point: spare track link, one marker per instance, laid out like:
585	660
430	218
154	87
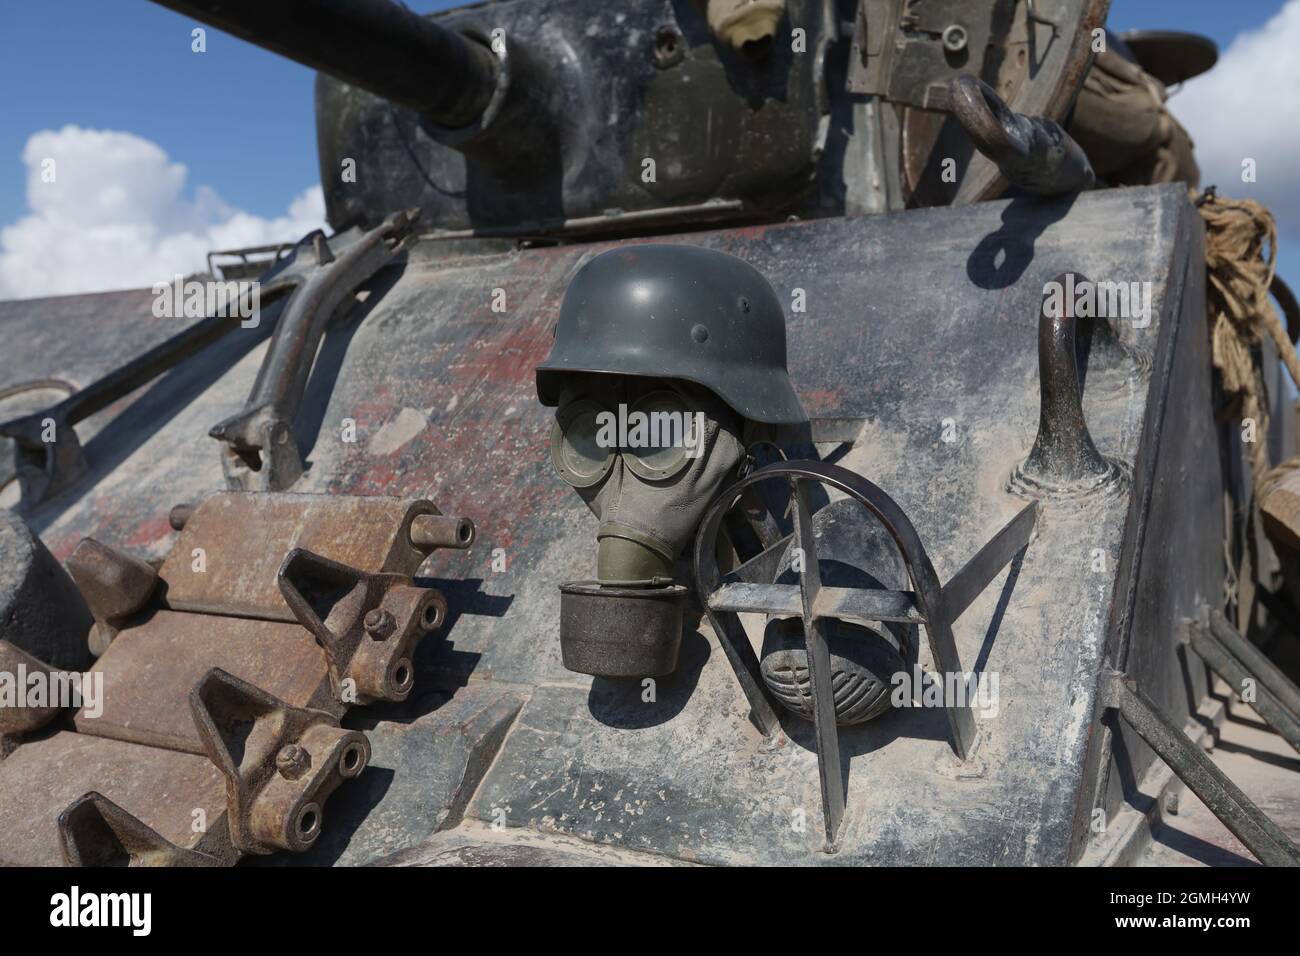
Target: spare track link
224	674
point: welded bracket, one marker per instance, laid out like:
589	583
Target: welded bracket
95	831
281	763
725	598
368	624
1235	810
115	586
16	721
48	457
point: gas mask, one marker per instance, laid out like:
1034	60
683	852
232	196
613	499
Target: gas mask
662	355
647	456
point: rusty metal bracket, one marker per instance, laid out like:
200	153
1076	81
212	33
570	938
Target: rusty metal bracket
115	586
368	624
16	721
281	763
240	577
725	598
259	449
1194	767
95	831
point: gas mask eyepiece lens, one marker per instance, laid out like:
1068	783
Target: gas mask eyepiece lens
575	452
668	436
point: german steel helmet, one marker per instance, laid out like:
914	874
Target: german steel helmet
676	311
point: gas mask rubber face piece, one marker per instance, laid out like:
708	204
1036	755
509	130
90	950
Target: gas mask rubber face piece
647	456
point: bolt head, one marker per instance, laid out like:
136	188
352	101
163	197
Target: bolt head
292	761
379	623
954	38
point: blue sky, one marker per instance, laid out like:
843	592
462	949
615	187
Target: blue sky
127	65
241	120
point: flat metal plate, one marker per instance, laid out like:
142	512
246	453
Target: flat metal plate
164	787
245	536
146	669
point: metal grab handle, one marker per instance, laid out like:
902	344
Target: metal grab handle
1032	153
1064	459
260	451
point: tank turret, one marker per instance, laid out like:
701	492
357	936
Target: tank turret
797	535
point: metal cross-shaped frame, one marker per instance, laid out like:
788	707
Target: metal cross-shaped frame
748	589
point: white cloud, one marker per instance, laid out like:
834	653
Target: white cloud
1248	106
117	216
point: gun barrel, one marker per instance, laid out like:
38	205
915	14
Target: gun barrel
377	45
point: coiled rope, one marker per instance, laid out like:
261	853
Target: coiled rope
1241	256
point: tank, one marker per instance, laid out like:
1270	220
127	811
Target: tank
386	546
